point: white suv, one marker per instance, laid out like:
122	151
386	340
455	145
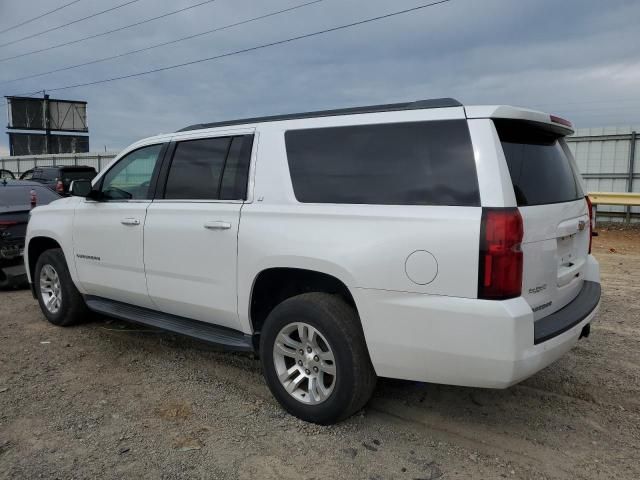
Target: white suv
426	241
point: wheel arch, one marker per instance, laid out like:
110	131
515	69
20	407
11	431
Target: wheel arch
271	286
36	247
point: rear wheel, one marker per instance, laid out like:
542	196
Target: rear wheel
315	359
58	297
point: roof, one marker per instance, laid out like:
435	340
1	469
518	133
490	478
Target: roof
390	107
64	167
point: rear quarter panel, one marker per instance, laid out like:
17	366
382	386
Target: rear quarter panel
365	246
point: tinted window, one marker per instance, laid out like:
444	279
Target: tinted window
210	169
21	195
78	174
129	179
196	169
236	171
541	167
48	173
419	163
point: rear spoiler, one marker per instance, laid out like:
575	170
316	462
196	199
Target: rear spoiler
551	122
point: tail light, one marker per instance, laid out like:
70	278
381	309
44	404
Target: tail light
591	221
60	187
560	120
34	198
500	272
5	225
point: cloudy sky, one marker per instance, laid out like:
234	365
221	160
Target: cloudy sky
577	58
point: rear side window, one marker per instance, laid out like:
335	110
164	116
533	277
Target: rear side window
417	163
209	169
541	166
196	169
49	174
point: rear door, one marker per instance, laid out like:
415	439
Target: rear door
554	211
191	229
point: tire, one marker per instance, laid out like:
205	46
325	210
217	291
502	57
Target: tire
70	309
338	335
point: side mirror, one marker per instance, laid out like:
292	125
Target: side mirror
80	188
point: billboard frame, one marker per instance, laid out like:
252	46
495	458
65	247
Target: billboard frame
49	100
76	113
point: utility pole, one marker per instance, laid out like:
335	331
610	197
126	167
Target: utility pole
47	125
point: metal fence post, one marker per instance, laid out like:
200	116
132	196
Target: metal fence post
632	158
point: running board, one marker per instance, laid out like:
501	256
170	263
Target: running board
221	336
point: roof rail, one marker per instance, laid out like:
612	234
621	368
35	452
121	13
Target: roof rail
390	107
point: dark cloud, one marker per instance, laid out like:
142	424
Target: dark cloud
578	58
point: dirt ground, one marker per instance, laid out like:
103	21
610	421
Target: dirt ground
112	400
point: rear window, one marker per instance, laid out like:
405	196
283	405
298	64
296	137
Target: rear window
416	163
21	195
541	166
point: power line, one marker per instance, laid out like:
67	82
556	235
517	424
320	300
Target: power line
119	29
250	49
151	47
70	23
39	16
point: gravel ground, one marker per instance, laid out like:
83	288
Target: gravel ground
112	400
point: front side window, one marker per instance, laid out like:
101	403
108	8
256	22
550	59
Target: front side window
413	163
130	178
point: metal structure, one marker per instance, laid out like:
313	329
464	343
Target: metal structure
608	160
21	164
36	118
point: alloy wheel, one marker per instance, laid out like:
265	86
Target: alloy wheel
304	363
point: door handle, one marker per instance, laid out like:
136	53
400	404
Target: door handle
130	221
217	225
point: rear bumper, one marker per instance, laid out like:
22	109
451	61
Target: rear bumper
468	342
572	314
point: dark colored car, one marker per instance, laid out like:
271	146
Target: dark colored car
17	198
59	178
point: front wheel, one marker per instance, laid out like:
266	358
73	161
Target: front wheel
315	358
58	297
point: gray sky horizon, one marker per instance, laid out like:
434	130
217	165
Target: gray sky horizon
576	58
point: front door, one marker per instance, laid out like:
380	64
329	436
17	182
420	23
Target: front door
108	234
191	234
